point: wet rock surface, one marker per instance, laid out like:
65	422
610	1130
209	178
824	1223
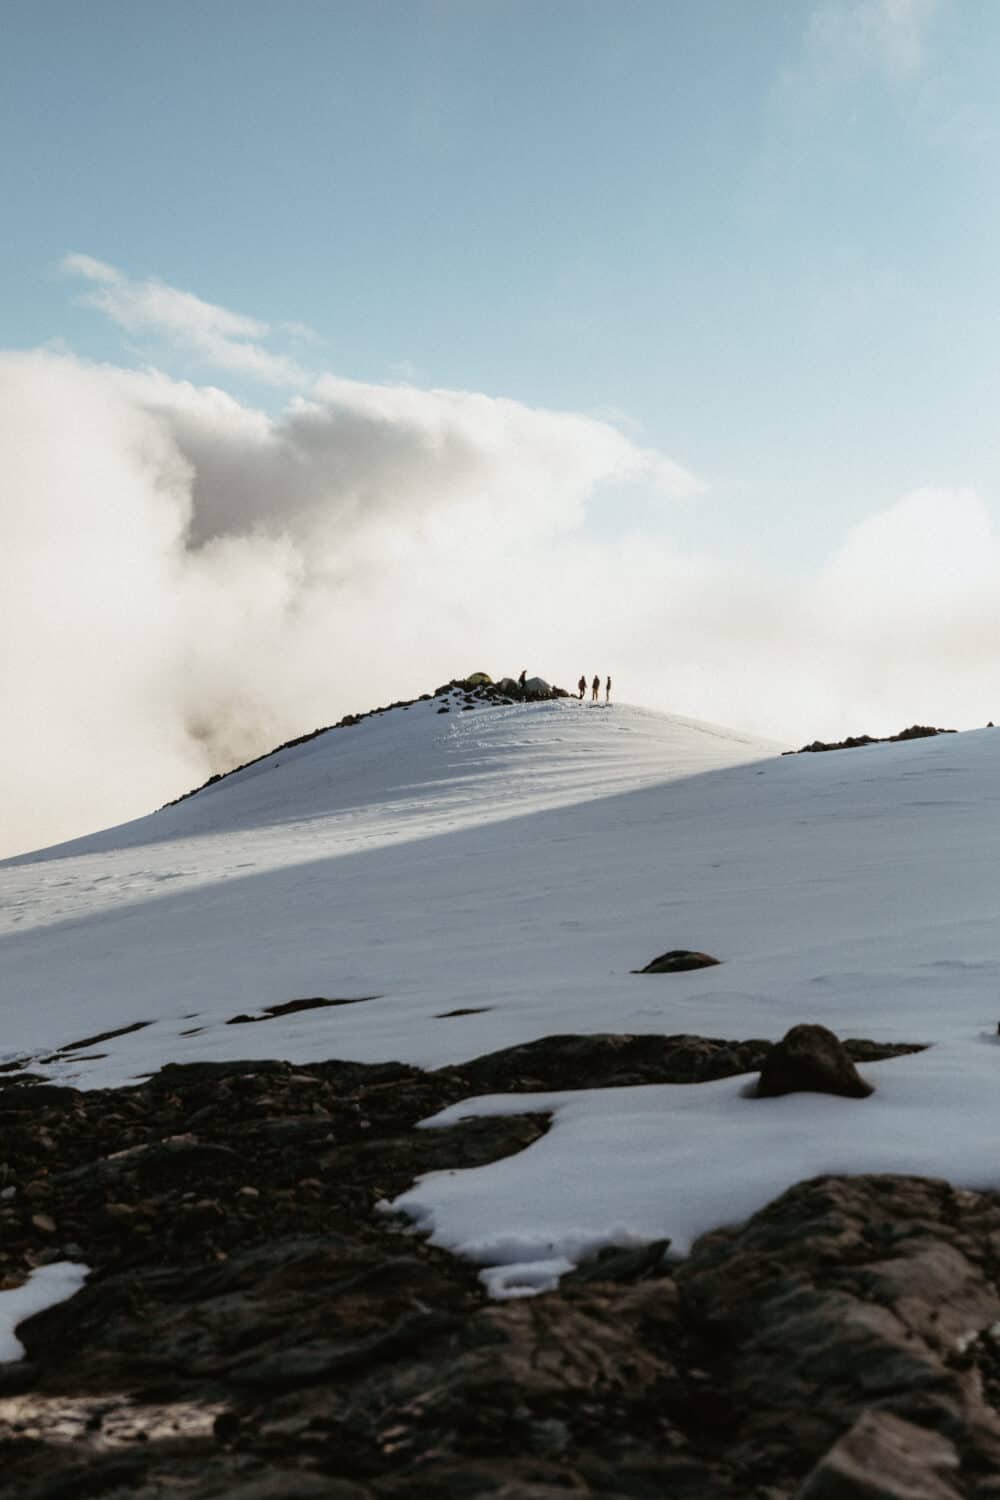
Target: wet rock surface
254	1328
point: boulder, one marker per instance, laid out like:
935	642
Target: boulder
677	961
810	1059
537	687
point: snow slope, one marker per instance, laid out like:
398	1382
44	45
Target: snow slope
436	861
517	863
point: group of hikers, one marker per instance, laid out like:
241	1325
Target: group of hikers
595	689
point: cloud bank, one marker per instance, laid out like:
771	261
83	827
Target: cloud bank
186	580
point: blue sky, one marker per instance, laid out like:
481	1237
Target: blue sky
347	346
767	234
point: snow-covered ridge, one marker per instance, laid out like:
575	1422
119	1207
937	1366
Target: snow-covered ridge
326	868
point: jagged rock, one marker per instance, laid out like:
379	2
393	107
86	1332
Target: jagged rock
884	1458
846	1293
678	961
810	1059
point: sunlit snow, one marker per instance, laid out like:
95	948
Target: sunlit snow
518	863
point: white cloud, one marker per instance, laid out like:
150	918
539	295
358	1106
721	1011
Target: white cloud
185	580
214	335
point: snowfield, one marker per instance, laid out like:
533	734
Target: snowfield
517	863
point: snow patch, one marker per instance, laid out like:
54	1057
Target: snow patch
44	1288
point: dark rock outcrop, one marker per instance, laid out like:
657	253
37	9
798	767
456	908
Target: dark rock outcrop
254	1329
678	961
810	1059
855	741
849	1296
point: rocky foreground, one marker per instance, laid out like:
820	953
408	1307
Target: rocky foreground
254	1329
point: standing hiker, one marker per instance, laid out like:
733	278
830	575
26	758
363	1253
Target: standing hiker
522	679
582	685
595	689
607	691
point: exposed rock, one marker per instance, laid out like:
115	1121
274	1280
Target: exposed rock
612	1264
849	1294
102	1036
855	741
254	1328
677	961
292	1007
810	1059
884	1458
607	1060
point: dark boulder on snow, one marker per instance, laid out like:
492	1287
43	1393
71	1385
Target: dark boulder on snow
810	1059
678	961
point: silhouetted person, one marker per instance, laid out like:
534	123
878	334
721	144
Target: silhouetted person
607	691
582	685
595	689
522	680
